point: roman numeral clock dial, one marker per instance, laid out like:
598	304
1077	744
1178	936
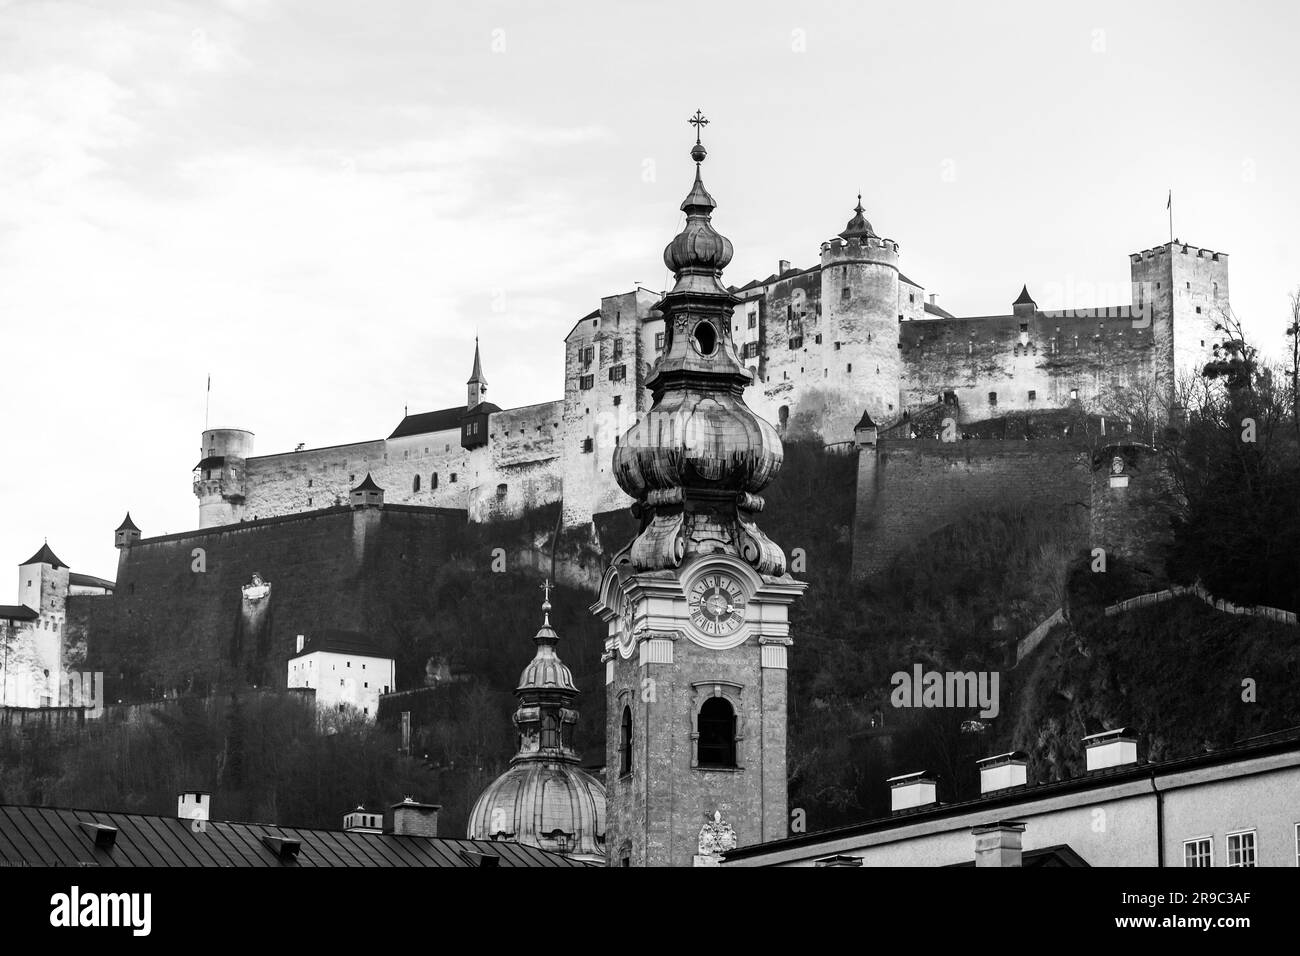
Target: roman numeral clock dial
716	603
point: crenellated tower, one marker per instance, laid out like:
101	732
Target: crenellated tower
860	317
696	605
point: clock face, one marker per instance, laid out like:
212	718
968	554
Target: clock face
717	604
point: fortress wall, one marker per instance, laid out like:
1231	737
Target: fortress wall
910	489
168	623
1052	356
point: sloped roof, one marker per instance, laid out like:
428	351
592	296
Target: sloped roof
1024	298
367	484
444	419
47	836
127	524
44	556
864	422
942	313
17	612
90	581
340	642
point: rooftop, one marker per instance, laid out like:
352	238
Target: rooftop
340	642
47	836
44	556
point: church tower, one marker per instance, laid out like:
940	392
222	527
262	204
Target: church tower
477	383
696	604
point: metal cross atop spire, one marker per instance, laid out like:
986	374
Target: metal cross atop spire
698	121
546	599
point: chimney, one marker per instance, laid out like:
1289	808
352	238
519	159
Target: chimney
998	844
193	805
1111	748
783	267
911	790
362	820
300	643
933	296
1003	771
412	818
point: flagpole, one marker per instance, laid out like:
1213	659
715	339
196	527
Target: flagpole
1170	206
207	404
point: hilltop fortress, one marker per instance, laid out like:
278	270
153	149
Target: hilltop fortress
826	344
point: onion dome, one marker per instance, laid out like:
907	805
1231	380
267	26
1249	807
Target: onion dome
693	438
698	250
544	799
858	226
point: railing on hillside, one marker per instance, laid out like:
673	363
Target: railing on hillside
1198	590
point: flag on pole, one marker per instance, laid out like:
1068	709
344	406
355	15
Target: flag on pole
1169	203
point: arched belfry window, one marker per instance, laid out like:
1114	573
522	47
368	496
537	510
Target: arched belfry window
625	742
550	731
717	746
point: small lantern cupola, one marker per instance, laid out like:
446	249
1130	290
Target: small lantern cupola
858	227
126	534
367	494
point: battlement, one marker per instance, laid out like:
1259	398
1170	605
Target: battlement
864	248
1178	248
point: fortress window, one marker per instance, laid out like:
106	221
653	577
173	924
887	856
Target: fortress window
845	292
308	482
796	342
1189	285
618	349
993	399
753	318
1074	394
1198	310
501	490
625	743
783	415
1024	326
911	297
789	314
618	373
308	501
588	355
587	444
818	338
1032	395
586	381
415	485
717	747
659	341
618	400
850	367
453	477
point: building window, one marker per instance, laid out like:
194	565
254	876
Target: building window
911	297
501	490
1032	395
625	743
850	366
659	341
845	292
751	350
1198	852
1198	310
1074	394
1241	848
453	477
586	381
588	355
796	342
818	338
433	481
415	485
308	502
309	482
993	399
783	415
587	444
618	373
717	746
789	314
618	399
753	320
618	349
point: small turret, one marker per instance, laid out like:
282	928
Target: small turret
367	494
1024	305
126	534
477	382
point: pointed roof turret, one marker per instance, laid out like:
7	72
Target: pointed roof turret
367	484
127	524
1024	298
864	422
858	226
476	378
698	254
44	556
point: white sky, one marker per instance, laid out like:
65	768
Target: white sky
320	203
